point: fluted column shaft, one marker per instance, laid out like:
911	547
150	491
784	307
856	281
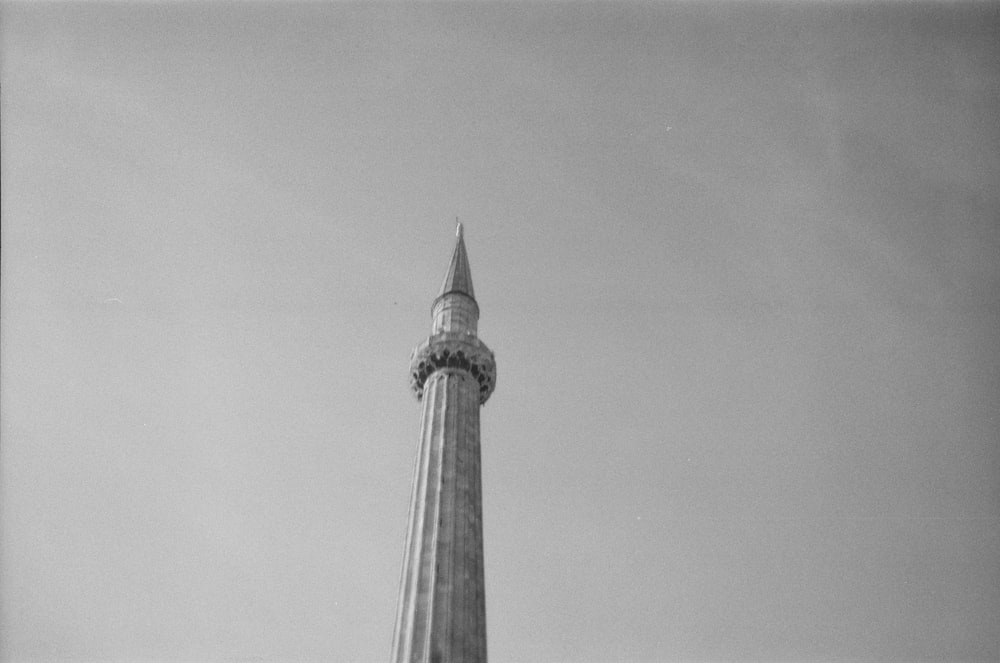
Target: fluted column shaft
442	609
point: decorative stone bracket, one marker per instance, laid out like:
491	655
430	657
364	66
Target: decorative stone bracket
456	352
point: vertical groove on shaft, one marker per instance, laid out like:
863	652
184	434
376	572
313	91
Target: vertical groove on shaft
403	619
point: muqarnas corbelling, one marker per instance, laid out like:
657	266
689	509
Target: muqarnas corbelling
440	353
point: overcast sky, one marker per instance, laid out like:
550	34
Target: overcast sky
738	263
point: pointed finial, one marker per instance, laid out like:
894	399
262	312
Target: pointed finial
459	276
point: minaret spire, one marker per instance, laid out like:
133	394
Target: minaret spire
459	275
441	616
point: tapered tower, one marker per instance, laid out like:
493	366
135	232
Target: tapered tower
442	605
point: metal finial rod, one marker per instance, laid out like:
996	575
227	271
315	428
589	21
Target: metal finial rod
458	227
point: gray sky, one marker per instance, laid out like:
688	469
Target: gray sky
739	265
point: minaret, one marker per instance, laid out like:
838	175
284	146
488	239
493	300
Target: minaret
441	616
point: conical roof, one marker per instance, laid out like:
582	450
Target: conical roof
459	276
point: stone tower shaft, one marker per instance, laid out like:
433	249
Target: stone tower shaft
441	617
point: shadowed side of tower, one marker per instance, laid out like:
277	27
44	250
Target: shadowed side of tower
441	616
